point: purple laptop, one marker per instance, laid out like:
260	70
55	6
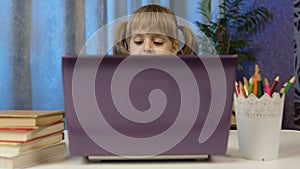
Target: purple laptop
148	107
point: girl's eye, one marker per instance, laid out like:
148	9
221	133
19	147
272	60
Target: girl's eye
158	43
138	42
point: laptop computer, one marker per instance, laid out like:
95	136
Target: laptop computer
148	107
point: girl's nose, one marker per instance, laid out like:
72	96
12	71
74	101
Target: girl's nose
147	47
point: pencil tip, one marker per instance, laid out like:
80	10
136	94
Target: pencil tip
292	79
256	69
266	80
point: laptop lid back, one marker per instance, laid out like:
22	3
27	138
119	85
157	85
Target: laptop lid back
148	105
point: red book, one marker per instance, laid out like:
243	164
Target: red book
24	135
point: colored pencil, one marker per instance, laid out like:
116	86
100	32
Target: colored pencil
259	86
242	90
246	84
281	91
274	85
237	90
255	84
289	84
250	85
267	87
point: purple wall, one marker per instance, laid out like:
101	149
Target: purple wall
274	50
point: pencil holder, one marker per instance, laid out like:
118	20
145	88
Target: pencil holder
258	125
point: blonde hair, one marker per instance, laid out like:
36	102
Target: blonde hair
154	19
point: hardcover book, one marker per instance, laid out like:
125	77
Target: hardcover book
26	118
36	156
13	148
25	135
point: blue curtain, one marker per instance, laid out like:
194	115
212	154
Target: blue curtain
36	33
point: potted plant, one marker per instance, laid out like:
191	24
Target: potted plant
231	32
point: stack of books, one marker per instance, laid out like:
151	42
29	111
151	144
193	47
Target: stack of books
29	137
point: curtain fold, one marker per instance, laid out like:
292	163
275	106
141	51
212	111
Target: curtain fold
6	55
48	43
96	17
75	25
21	27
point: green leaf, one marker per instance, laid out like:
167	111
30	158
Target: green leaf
242	25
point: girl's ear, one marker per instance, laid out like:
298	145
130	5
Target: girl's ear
175	46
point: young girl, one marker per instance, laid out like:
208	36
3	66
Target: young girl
153	29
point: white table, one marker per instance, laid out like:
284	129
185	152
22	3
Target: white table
289	158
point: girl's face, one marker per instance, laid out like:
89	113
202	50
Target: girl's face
151	44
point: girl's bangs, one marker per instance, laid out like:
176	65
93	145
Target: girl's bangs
152	22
